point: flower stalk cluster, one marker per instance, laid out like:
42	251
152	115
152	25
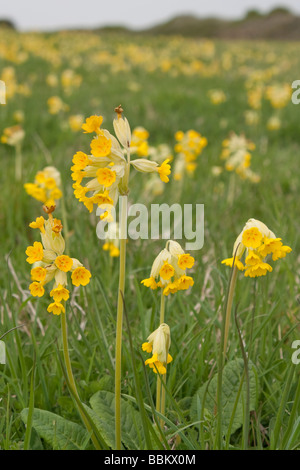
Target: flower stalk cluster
51	264
46	186
168	271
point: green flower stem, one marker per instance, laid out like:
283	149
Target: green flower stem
18	163
70	375
64	331
160	391
120	307
222	353
229	307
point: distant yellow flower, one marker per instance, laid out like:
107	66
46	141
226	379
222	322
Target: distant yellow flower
188	147
56	105
46	186
236	153
13	135
75	122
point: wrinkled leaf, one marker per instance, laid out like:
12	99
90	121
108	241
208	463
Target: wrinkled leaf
103	405
232	374
56	431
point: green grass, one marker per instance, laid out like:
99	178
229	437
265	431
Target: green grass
163	102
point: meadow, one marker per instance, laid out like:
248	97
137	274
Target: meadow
167	86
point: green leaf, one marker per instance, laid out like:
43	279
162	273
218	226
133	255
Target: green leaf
103	404
56	431
232	375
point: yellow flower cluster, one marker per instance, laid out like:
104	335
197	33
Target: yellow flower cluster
255	95
112	242
106	167
169	270
188	147
70	80
46	186
158	343
256	241
50	263
13	135
56	105
236	153
279	95
8	76
217	96
139	142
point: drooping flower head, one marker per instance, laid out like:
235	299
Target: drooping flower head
139	141
46	186
106	168
257	242
158	343
279	94
188	147
237	156
13	135
169	270
51	264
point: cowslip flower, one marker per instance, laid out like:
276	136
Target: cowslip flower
75	122
46	186
56	105
256	243
106	166
217	96
107	169
51	264
112	242
188	147
13	135
279	95
139	141
273	123
158	343
237	156
255	97
169	270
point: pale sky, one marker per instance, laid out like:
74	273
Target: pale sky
56	14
